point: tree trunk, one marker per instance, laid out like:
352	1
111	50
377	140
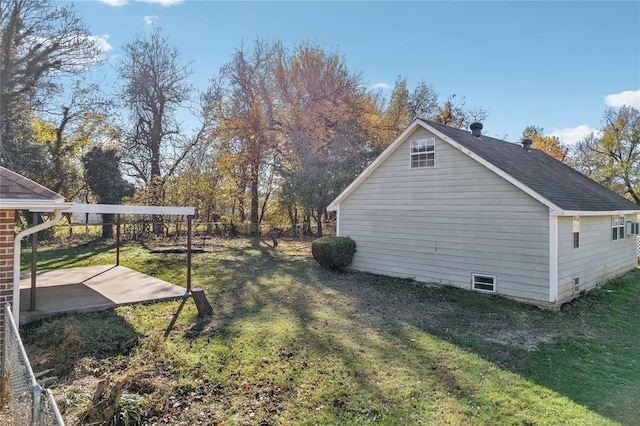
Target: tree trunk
107	226
204	307
306	225
255	203
318	219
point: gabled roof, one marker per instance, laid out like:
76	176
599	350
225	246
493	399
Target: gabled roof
19	192
553	183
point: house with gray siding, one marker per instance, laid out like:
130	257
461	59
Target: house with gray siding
448	206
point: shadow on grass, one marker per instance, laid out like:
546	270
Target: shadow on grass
515	337
67	256
95	336
361	329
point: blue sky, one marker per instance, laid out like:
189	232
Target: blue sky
556	65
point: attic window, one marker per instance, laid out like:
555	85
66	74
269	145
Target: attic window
423	152
483	282
617	227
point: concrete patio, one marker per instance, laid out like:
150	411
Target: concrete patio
92	288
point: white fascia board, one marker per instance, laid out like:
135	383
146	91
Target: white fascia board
597	213
34	205
333	206
127	209
515	182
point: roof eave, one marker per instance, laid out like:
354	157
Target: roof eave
596	212
34	205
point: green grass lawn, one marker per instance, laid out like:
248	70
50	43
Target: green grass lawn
291	343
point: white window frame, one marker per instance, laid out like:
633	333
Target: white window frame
617	227
474	281
576	232
422	153
576	285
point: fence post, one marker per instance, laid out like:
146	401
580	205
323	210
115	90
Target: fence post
36	409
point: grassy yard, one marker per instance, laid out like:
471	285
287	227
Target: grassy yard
291	343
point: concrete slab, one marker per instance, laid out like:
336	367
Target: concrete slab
92	288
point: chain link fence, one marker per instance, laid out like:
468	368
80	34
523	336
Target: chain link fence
29	404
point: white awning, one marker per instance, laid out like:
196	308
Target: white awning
126	209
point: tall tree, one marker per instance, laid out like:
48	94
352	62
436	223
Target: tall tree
326	137
104	178
241	102
40	42
549	144
612	157
154	88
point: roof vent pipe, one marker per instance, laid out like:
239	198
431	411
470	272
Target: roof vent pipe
476	129
526	144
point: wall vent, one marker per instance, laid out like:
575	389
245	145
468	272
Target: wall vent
482	282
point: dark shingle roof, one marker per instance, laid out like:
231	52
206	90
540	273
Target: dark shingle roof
16	186
552	179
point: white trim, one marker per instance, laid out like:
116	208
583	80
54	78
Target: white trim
553	258
597	213
428	142
34	205
126	209
478	274
338	220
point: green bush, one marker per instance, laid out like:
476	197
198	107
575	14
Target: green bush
333	252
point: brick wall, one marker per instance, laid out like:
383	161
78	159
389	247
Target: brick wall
7	220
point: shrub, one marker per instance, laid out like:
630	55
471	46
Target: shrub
333	252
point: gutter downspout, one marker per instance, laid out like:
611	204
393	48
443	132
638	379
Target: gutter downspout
16	260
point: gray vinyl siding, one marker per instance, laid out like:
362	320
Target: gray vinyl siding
444	223
598	258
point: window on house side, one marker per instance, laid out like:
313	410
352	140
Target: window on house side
576	231
483	282
617	227
423	152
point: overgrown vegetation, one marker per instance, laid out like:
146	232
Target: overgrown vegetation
333	252
293	343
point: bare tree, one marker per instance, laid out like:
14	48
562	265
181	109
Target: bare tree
155	88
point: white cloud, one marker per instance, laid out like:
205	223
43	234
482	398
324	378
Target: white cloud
628	97
102	42
115	3
150	19
162	2
383	86
573	135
